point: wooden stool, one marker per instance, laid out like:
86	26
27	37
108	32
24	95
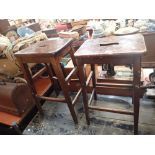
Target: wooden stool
118	50
50	52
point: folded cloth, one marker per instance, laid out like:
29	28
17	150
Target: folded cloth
126	30
74	35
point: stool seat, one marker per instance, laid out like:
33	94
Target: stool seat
45	48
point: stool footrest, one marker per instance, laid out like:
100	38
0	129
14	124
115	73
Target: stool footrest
52	99
114	85
91	97
111	110
73	71
77	96
122	91
40	72
89	78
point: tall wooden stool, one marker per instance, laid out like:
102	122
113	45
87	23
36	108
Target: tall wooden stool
118	50
50	52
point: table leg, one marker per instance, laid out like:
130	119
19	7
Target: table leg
136	89
94	81
58	71
84	91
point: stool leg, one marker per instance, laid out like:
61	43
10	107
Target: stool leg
29	80
136	113
84	91
71	52
94	81
58	71
136	89
38	105
52	79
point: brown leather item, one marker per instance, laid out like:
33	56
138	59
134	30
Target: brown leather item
15	98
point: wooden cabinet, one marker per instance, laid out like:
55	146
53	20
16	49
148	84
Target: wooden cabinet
4	26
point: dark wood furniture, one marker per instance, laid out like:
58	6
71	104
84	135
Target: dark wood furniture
12	124
4	26
51	52
118	50
15	125
148	60
51	33
34	26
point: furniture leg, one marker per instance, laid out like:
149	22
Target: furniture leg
58	71
29	80
136	96
55	78
71	52
52	79
84	91
94	81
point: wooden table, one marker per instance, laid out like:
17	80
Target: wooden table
125	50
50	52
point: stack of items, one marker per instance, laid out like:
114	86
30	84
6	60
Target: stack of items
9	67
145	25
46	24
102	28
78	33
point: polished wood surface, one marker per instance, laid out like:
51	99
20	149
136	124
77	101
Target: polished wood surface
45	48
127	45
